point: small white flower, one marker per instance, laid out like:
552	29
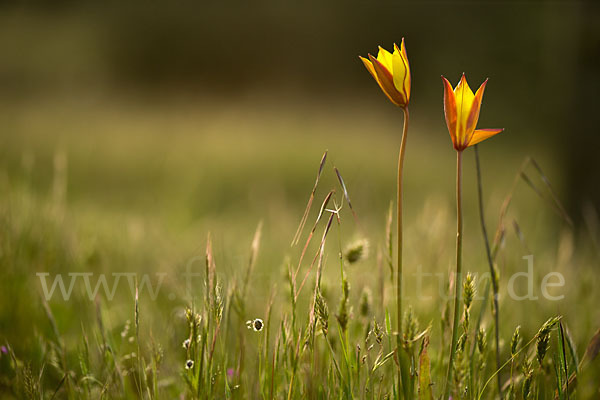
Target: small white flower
257	324
189	364
186	344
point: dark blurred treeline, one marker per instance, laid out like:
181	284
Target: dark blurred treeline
542	58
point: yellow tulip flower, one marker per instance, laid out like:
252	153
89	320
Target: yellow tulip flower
392	73
461	108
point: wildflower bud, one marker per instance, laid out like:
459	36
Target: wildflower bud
392	73
256	325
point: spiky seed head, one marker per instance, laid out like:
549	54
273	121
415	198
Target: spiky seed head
543	342
189	315
548	325
411	325
481	341
543	338
377	332
219	303
322	312
466	319
469	290
365	302
511	395
528	377
359	250
516	338
343	315
462	341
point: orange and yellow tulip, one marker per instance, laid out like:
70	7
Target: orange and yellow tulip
392	73
461	108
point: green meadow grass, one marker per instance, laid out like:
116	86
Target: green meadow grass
99	186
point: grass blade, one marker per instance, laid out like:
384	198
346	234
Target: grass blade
310	201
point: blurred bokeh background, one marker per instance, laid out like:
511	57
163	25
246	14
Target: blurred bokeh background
80	67
128	130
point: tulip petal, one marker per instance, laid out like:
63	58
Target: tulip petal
401	73
473	116
386	82
369	67
464	103
385	58
407	83
481	134
450	110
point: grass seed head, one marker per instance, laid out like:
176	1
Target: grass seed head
343	315
469	290
322	312
365	302
411	325
516	338
357	251
377	332
543	338
481	341
462	341
527	379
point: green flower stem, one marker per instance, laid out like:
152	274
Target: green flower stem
399	236
457	278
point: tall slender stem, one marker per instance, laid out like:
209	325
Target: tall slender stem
494	278
399	236
457	278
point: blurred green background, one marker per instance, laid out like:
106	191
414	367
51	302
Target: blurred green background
128	131
207	60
